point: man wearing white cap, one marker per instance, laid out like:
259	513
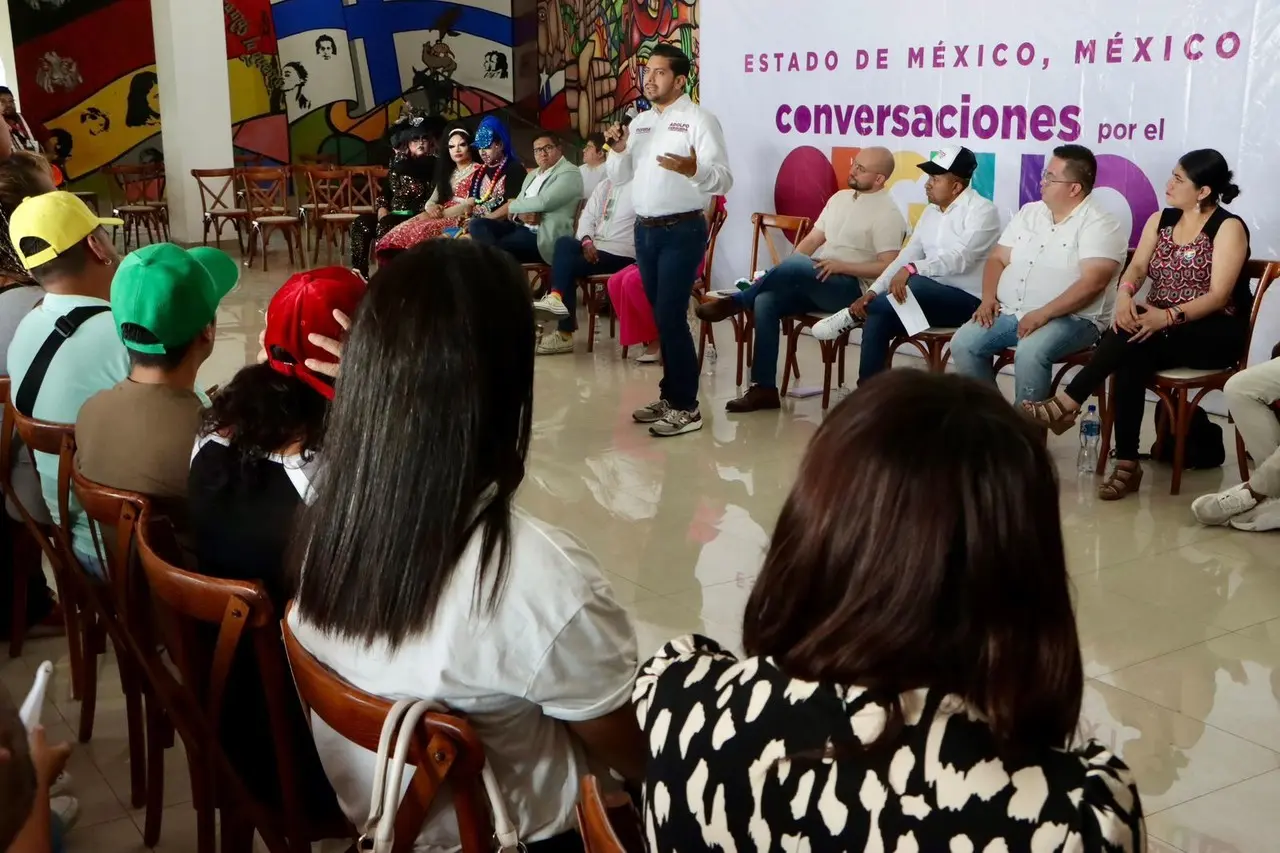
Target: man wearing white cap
941	263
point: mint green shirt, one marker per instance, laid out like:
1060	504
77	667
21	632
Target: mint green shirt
91	360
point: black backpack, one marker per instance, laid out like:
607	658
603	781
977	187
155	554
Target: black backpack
1204	442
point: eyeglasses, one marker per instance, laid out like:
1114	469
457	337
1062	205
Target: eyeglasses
1051	178
544	149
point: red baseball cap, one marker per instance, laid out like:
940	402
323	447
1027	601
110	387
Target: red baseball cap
302	307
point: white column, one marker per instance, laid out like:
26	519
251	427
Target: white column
195	103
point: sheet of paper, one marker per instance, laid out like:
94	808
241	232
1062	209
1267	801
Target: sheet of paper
909	312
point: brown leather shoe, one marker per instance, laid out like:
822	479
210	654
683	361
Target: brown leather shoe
717	309
756	399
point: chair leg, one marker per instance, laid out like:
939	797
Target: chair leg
828	357
202	797
24	551
68	597
95	644
739	341
1242	457
1181	424
131	685
1106	415
157	736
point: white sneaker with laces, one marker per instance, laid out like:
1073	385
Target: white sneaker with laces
550	307
555	344
60	785
66	809
1265	516
830	328
677	422
1221	507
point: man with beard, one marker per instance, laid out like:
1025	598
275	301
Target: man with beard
855	238
675	159
941	264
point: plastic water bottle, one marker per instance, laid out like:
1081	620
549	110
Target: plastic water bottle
1090	438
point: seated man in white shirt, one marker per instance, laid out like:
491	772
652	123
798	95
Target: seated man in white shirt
593	170
855	238
1050	283
941	263
605	244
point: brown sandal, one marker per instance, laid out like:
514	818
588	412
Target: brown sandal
1125	479
1051	415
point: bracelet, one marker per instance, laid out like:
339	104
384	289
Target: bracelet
911	269
1168	315
1129	287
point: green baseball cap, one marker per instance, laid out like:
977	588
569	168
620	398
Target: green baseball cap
171	292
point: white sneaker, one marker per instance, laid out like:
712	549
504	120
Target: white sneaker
555	344
550	307
1266	516
66	809
1221	507
60	785
830	328
648	357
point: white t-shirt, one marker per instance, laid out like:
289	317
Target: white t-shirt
557	649
1045	256
591	176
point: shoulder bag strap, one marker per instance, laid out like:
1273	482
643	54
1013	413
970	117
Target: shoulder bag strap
63	328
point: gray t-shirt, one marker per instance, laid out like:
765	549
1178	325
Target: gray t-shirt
15	303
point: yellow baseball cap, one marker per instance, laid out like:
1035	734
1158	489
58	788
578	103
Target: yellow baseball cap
59	218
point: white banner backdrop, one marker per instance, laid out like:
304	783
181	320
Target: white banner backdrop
1140	82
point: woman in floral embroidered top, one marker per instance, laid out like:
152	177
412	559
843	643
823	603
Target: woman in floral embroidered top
1196	314
479	188
913	679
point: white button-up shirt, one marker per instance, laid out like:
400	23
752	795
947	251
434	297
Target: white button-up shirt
950	246
1045	256
609	219
674	130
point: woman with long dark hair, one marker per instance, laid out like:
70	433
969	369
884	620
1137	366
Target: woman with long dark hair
913	673
419	578
143	103
1196	313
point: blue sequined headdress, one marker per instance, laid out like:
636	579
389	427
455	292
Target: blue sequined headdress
491	128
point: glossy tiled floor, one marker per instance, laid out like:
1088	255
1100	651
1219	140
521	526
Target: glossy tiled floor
1180	625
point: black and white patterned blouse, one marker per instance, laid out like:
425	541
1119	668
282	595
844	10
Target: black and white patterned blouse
720	732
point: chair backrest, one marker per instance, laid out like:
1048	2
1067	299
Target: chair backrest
47	437
217	188
7	444
330	189
444	747
318	159
266	190
765	224
136	184
600	832
364	184
111	509
718	216
1265	272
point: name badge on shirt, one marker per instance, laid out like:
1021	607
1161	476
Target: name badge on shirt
678	127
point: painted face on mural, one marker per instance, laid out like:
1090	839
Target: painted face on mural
458	151
153	99
289	78
1181	192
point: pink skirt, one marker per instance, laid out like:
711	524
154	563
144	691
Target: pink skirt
635	316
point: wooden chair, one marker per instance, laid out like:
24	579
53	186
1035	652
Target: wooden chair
218	199
445	749
934	345
1181	389
118	612
48	539
833	353
607	823
715	223
266	192
539	276
364	187
27	545
764	226
324	160
134	197
595	289
90	198
333	197
308	209
207	625
1075	359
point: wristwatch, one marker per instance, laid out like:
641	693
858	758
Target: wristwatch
1179	316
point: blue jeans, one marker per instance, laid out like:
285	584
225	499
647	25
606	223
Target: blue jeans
974	348
518	241
943	305
569	264
792	287
668	257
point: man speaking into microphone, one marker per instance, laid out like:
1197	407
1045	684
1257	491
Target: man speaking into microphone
675	154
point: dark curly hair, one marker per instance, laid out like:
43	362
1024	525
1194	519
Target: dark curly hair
261	412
